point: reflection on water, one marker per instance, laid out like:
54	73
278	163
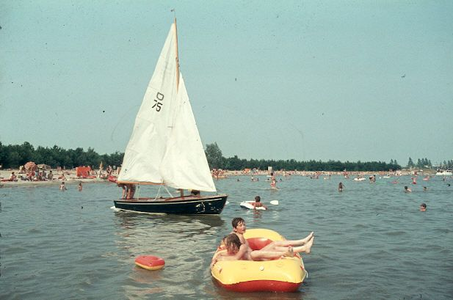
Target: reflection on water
372	242
150	233
181	240
133	218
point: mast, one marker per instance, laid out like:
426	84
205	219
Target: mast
177	57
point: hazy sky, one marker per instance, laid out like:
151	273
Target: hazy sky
341	80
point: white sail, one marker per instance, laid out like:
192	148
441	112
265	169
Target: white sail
148	142
165	146
185	165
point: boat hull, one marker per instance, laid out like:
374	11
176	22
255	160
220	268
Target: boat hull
207	205
280	275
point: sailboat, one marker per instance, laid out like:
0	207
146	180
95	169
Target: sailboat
165	147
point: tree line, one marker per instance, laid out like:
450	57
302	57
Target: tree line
13	156
426	163
217	161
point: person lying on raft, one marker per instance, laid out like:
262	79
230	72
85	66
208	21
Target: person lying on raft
258	203
239	229
237	251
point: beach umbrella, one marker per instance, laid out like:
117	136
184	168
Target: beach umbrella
30	166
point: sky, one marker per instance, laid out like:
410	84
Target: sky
304	80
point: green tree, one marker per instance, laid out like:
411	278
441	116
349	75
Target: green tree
3	154
419	163
26	152
114	159
410	163
94	160
214	156
14	159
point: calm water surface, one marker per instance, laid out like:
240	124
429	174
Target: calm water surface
371	242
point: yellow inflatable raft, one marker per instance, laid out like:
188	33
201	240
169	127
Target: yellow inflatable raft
280	275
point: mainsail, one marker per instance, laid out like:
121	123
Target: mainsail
165	146
148	142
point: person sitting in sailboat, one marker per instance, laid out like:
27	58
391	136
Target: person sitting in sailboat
195	193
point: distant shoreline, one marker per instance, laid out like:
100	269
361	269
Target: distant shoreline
71	177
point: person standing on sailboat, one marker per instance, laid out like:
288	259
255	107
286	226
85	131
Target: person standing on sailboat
123	186
130	188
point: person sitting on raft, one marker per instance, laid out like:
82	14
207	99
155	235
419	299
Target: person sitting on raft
237	251
239	229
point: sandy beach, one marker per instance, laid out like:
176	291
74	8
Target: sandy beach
70	178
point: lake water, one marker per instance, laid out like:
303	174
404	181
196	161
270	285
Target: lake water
372	242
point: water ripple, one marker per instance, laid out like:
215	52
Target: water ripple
371	242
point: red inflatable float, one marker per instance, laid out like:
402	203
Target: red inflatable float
150	262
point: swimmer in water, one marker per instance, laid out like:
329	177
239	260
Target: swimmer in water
423	207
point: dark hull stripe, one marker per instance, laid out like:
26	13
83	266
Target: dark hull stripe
208	205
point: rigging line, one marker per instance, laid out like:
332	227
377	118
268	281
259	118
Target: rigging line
158	192
168	191
301	134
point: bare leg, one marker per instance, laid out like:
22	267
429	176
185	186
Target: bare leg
281	251
265	255
287	243
290	252
298	242
305	248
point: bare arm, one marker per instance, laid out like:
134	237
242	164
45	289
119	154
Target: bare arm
217	256
241	254
242	239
